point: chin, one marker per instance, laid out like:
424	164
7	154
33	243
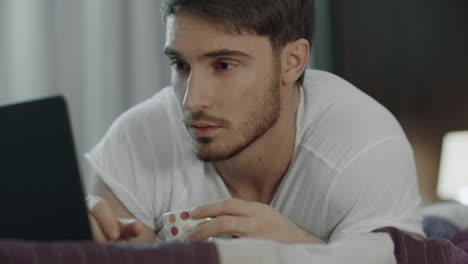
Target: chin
210	155
211	152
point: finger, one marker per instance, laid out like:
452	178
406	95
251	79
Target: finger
235	207
98	235
130	228
106	219
223	225
92	200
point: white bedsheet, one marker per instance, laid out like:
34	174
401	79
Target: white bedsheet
369	248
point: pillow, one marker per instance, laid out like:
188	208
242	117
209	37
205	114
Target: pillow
454	212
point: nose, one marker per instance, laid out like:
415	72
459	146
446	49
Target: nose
198	93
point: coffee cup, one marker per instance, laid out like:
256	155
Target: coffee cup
177	225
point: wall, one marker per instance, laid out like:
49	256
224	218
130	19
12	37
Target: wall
412	56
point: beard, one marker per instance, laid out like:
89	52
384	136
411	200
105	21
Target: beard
261	119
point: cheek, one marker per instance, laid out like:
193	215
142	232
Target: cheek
252	93
245	87
245	91
240	105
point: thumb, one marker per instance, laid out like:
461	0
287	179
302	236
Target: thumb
129	227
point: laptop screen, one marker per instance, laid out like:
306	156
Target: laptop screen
41	195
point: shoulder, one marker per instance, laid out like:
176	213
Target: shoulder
154	124
157	115
157	108
340	122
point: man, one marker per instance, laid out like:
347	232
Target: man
245	135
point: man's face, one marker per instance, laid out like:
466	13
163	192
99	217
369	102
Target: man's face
227	85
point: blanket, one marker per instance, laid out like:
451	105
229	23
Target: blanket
409	250
24	252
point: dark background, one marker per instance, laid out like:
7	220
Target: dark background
411	56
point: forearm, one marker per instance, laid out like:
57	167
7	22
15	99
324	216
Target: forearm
307	238
102	191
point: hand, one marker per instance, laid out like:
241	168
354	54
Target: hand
106	226
247	219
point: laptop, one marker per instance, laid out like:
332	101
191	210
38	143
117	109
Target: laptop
41	193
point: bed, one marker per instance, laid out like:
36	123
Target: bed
447	243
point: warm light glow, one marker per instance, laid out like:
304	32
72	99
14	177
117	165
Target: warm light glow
463	195
453	173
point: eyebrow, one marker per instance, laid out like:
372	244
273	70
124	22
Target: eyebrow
211	54
172	52
225	52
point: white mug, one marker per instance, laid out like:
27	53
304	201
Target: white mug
177	225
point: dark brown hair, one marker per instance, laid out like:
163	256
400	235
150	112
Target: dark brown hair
283	21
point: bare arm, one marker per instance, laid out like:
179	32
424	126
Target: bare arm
106	218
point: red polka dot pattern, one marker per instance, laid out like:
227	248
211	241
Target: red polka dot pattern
174	231
172	218
184	215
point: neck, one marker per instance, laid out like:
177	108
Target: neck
256	173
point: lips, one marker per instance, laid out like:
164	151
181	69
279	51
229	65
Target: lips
204	130
202	125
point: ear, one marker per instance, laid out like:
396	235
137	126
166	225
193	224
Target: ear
294	59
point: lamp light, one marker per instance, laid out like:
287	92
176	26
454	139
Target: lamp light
453	172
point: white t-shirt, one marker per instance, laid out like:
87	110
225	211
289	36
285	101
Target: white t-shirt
352	170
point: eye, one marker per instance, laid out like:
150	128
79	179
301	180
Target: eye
180	65
223	66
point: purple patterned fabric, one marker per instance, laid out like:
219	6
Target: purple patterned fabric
409	250
461	240
24	252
